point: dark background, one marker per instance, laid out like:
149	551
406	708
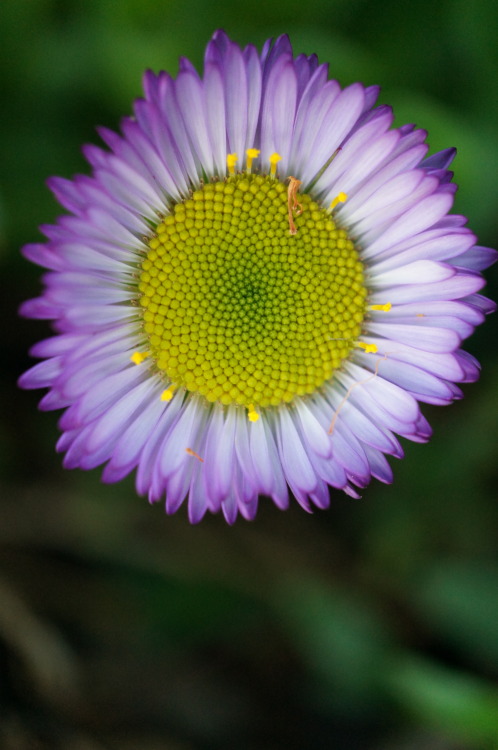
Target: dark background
371	626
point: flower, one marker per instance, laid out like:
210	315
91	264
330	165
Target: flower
254	288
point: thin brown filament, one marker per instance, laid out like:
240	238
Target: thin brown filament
292	203
351	389
194	454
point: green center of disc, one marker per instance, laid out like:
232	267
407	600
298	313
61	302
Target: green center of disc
238	309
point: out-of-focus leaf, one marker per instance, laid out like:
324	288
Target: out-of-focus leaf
186	613
473	29
348	60
459	704
339	637
460	601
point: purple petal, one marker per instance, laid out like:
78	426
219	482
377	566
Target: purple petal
296	465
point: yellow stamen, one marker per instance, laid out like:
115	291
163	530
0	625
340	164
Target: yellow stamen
167	395
274	159
292	203
138	357
368	348
252	414
231	162
252	153
382	308
341	198
194	454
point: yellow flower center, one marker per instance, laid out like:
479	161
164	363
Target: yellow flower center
240	310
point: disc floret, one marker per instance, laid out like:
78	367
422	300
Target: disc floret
238	309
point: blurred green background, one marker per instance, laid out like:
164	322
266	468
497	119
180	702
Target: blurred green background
372	626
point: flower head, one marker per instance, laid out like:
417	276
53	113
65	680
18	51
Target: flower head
254	288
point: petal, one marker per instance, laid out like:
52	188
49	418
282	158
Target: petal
421	216
132	441
278	111
459	286
427	338
189	94
411	378
313	433
214	104
150	453
41	375
296	465
219	459
342	115
477	258
418	272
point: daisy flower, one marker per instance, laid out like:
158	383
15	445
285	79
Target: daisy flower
254	288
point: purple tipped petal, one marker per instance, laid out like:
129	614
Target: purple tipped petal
477	258
441	160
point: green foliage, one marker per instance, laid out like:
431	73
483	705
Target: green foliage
370	627
462	706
